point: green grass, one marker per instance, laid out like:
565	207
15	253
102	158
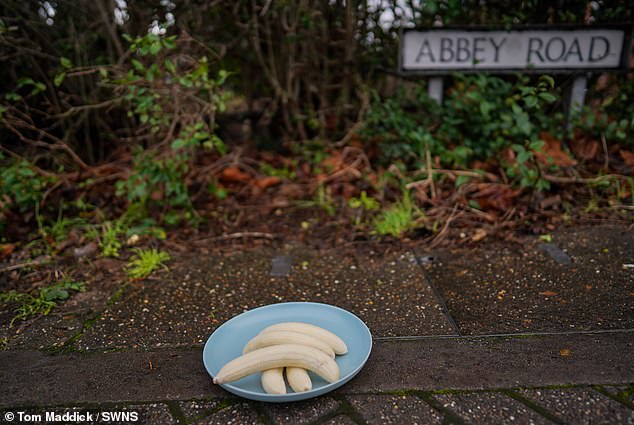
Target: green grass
41	302
398	218
144	262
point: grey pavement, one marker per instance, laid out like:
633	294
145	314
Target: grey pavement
495	333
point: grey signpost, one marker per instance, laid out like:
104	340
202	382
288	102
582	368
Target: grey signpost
435	52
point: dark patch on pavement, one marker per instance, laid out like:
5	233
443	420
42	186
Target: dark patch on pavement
281	266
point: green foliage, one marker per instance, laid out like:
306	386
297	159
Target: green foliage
365	202
41	302
481	116
158	178
363	206
58	231
398	218
613	119
144	262
21	186
284	172
109	242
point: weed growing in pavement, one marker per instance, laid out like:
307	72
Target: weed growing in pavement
144	262
43	301
398	218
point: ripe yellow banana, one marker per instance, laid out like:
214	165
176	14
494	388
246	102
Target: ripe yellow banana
284	355
298	379
273	381
267	339
330	338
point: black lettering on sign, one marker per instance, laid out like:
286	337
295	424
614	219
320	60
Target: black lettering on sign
425	50
497	48
476	49
446	50
606	48
463	54
555	45
534	46
574	49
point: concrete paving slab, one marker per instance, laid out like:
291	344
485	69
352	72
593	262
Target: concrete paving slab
389	293
194	410
490	408
302	412
394	409
497	362
236	414
504	288
182	307
35	378
581	406
340	420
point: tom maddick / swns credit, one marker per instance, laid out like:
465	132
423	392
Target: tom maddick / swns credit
71	416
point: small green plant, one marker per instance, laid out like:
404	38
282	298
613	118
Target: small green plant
363	205
109	240
284	172
322	200
400	217
58	231
144	262
42	302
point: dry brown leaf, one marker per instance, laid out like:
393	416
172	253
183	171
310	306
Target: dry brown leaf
552	152
548	293
565	352
234	175
6	249
495	196
266	182
479	235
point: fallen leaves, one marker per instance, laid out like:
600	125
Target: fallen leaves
548	293
494	196
552	152
234	175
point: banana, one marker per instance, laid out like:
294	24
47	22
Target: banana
330	338
273	381
287	337
298	379
294	355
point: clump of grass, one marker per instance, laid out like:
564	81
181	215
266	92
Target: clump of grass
146	261
398	218
42	302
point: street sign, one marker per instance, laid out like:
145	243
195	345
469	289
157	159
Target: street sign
437	51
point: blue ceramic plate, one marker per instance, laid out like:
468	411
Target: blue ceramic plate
227	341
